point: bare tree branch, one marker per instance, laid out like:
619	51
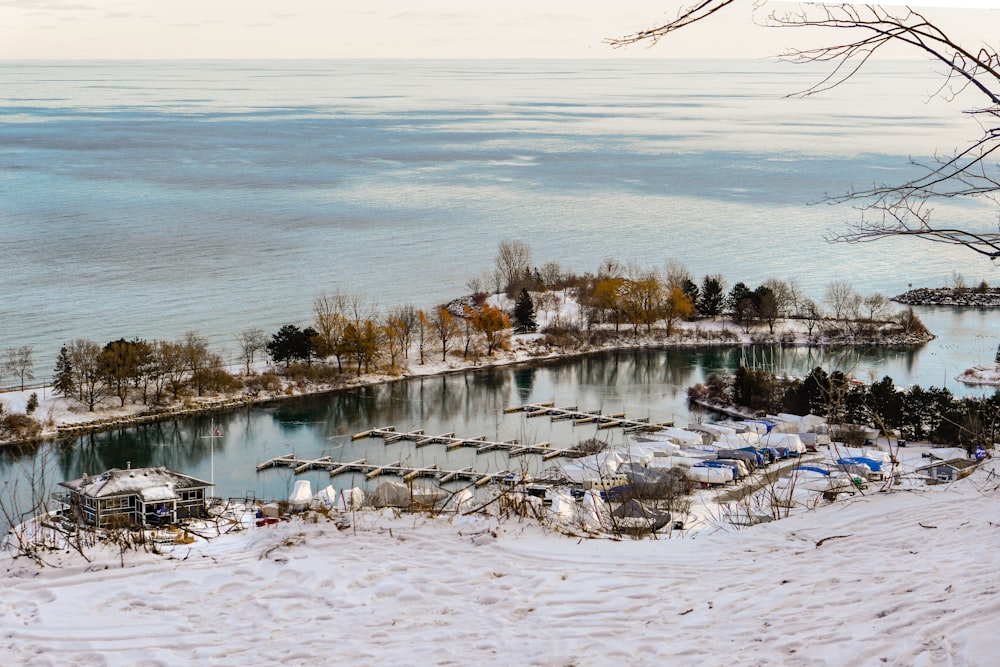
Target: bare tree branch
904	209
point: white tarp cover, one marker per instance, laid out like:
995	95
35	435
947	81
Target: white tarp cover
593	467
683	437
351	499
790	440
326	497
390	494
301	494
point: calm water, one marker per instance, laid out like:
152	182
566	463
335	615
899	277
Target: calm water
153	198
149	199
643	383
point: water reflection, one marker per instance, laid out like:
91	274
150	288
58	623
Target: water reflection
644	383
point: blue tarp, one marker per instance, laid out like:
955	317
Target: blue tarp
814	469
719	464
871	464
767	424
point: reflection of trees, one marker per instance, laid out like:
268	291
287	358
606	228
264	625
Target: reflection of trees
524	382
177	444
485	393
470	404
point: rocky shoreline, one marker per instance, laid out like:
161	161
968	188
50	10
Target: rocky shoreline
964	297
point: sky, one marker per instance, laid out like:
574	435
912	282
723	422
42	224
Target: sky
456	29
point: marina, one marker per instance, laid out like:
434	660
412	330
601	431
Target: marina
372	470
581	417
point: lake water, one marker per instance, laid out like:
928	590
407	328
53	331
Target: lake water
152	198
149	199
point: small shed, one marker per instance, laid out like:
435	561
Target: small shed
139	496
948	471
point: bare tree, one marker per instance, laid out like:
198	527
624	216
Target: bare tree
513	260
476	285
552	274
970	172
610	268
251	342
19	362
877	307
811	313
784	298
676	273
840	295
170	360
198	360
88	379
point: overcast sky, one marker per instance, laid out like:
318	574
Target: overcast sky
464	29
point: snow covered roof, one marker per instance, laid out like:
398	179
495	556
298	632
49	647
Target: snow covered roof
947	453
957	464
152	483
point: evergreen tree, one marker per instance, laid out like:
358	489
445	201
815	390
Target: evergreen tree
290	344
524	313
713	296
737	296
690	290
63	382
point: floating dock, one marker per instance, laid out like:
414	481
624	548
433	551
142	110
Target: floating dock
371	471
581	417
389	435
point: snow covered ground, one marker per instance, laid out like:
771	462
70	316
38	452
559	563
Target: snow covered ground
898	578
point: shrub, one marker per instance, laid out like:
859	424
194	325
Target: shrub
563	335
19	428
589	446
910	323
315	372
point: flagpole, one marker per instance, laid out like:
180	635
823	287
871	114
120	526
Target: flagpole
212	458
212	435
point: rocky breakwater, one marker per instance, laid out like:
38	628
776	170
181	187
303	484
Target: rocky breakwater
949	296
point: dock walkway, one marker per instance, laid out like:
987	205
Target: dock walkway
371	471
580	417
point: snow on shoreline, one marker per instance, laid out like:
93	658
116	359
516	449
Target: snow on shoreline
887	578
55	411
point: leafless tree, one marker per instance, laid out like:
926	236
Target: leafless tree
198	359
841	296
610	268
19	362
251	342
476	285
784	299
88	379
513	260
877	307
967	173
676	273
552	274
811	313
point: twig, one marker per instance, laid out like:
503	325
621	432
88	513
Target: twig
832	537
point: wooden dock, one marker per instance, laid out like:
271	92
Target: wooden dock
371	471
389	435
581	417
